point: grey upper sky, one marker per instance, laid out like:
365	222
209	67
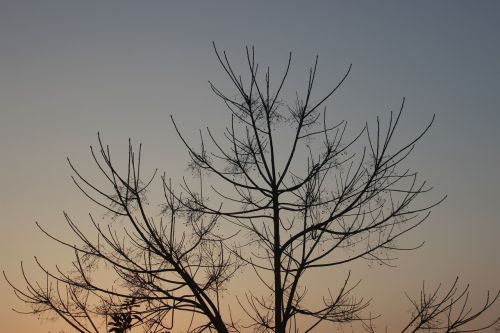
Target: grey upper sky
69	69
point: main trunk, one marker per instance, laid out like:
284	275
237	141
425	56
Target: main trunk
278	294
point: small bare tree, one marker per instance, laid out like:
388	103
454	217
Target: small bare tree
278	209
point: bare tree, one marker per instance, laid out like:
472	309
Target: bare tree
316	202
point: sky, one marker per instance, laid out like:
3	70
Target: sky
70	69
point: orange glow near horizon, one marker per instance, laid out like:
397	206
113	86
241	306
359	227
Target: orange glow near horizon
72	69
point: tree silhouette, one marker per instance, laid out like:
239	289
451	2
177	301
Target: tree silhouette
273	207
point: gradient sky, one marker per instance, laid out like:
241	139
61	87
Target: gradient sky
69	69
